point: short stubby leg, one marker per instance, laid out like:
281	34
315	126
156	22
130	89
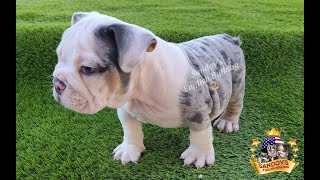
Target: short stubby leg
200	151
132	146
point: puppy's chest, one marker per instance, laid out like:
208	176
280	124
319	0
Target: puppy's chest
168	117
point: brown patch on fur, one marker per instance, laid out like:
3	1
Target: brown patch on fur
114	83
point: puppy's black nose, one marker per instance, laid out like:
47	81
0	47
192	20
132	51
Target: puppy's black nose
59	85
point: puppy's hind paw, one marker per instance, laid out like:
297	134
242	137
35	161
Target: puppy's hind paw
226	125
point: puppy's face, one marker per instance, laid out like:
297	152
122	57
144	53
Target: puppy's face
271	150
95	58
283	147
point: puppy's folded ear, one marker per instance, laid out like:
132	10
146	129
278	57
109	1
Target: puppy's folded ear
76	17
132	43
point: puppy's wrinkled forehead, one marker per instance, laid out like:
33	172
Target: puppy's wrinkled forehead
98	37
84	38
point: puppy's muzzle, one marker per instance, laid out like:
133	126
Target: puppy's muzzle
59	85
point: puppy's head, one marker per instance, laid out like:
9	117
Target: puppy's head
96	56
283	147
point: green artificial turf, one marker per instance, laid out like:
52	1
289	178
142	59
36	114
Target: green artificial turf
55	143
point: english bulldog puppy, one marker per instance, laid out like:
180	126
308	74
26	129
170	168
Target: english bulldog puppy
105	62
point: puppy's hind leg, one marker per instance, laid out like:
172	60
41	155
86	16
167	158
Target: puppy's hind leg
229	121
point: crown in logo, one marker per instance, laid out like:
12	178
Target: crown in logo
273	132
214	86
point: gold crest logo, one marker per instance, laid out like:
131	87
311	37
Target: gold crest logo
275	155
214	86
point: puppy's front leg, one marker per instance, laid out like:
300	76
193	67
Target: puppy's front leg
200	151
132	146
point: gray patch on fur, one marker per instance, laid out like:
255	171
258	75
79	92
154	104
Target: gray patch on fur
108	53
185	98
197	117
204	49
224	55
102	69
208	101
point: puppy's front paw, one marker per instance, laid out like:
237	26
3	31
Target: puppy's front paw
126	152
226	125
198	157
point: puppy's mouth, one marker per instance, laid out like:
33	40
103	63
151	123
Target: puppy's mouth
73	101
77	102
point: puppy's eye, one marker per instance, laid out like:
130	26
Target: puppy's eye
88	70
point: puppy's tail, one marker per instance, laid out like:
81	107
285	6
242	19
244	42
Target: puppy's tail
231	39
237	40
